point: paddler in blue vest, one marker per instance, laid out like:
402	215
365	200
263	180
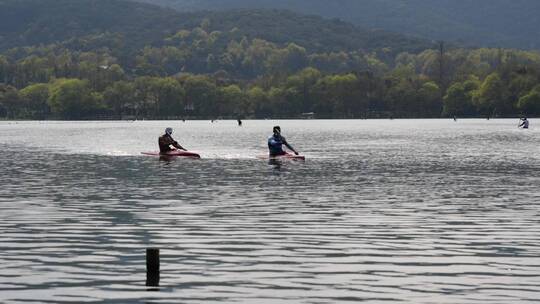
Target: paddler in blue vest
167	143
276	142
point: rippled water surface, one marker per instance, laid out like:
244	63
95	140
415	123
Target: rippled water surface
401	211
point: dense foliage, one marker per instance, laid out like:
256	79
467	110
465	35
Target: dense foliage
194	70
125	27
495	23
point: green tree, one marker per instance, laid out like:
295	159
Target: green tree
429	99
4	69
10	101
258	98
458	100
521	83
301	89
288	60
170	96
492	96
73	99
340	95
201	94
530	103
255	57
401	94
35	98
120	97
165	61
158	96
114	72
233	101
277	103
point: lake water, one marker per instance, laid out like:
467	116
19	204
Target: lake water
381	211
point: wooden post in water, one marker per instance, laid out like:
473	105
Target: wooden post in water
152	267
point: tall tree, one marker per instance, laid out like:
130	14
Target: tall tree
35	98
73	99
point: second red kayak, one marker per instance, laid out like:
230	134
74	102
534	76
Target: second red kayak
175	153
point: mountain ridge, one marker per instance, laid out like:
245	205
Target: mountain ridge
494	23
43	22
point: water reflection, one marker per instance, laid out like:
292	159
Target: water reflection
275	163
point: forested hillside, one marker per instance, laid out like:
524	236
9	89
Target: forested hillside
113	59
497	23
131	25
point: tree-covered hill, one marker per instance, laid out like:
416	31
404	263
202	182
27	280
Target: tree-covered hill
498	23
135	25
34	22
114	58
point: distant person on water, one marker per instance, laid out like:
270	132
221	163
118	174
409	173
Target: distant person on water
239	122
276	142
167	143
524	123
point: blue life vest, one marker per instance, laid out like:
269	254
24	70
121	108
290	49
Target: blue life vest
275	145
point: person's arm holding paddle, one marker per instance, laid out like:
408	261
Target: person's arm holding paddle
288	145
176	145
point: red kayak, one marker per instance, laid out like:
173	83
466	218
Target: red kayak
174	153
284	156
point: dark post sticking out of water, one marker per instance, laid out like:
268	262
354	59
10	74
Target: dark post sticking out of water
152	267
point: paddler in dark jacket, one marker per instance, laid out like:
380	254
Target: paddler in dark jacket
524	123
167	143
276	142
